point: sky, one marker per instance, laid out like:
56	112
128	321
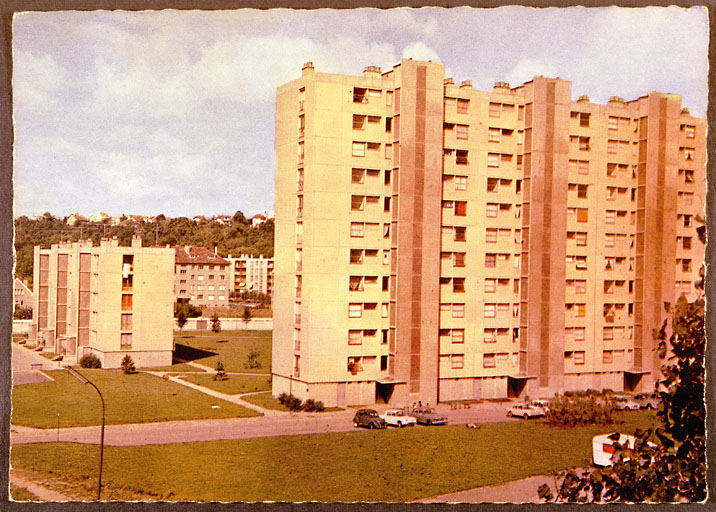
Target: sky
173	112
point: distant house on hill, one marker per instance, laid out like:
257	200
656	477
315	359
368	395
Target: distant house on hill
224	220
198	218
75	218
22	294
100	217
257	220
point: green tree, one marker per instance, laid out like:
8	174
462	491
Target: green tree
127	365
246	318
667	464
215	323
181	319
220	371
21	313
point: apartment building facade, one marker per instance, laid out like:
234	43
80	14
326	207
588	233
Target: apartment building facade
22	295
106	300
201	277
437	242
251	274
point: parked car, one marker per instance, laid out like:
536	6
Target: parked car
525	411
541	403
398	418
603	448
625	403
426	416
368	418
647	400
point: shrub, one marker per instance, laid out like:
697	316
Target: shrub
570	411
215	323
311	405
292	403
22	313
220	371
253	359
127	365
90	361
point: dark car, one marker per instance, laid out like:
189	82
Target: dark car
426	416
368	418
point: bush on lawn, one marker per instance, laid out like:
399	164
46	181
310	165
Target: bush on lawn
312	405
220	372
253	359
90	361
127	365
290	402
566	411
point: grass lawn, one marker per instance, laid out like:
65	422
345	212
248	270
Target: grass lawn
175	368
21	494
229	347
234	385
365	465
267	401
137	398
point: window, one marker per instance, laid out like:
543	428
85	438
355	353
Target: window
580	239
689	130
579	333
458	310
609	239
579	357
127	321
357	175
613	123
358	122
607	356
355	337
492	184
582	191
125	340
461	208
359	149
461	131
458	285
610	217
490	285
388	98
457	361
460	182
460	233
388	124
490	310
579	310
126	302
388	151
458	259
686	241
687	221
491	235
458	335
608	333
492	210
488	360
493	160
462	105
582	215
355	284
461	157
583	167
490	260
612	147
686	265
580	286
386	179
354	365
356	229
493	135
355	310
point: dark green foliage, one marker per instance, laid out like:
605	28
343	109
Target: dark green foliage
237	238
181	319
21	313
215	323
253	359
582	409
90	361
293	403
311	405
127	365
188	309
220	372
246	317
668	464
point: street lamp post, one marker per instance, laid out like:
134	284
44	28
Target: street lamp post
77	375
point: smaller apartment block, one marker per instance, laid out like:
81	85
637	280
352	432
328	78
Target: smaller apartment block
22	294
109	301
201	277
249	274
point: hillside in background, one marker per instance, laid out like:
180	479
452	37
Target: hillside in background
235	238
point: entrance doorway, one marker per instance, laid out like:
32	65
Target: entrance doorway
383	392
515	387
632	381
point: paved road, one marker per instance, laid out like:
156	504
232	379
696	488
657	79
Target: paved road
280	424
23	371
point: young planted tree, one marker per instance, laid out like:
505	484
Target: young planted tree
668	464
127	365
215	323
220	372
181	319
246	318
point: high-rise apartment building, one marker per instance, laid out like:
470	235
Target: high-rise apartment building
106	300
251	274
201	277
437	242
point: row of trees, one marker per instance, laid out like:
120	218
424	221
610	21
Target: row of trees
235	239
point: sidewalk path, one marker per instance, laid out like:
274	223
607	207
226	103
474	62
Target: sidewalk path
43	493
26	366
519	491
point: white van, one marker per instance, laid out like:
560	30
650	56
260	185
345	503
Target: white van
603	448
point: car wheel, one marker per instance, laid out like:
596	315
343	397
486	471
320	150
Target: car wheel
509	413
371	426
649	406
400	424
428	423
526	416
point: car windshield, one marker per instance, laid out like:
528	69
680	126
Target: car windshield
371	413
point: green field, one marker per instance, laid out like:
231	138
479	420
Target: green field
136	398
175	368
229	347
234	384
365	465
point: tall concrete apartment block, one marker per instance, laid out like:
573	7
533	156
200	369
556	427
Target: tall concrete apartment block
436	242
106	300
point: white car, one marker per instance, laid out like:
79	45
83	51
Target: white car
626	403
525	411
541	403
398	418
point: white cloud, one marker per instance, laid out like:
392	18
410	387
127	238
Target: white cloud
526	69
420	51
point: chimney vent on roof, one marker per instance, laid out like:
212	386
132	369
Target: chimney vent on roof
616	99
583	99
686	111
372	69
501	85
448	81
466	84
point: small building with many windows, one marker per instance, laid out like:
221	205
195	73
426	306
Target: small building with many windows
251	274
106	300
23	297
201	277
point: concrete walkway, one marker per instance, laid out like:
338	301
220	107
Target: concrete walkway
43	493
519	491
27	365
